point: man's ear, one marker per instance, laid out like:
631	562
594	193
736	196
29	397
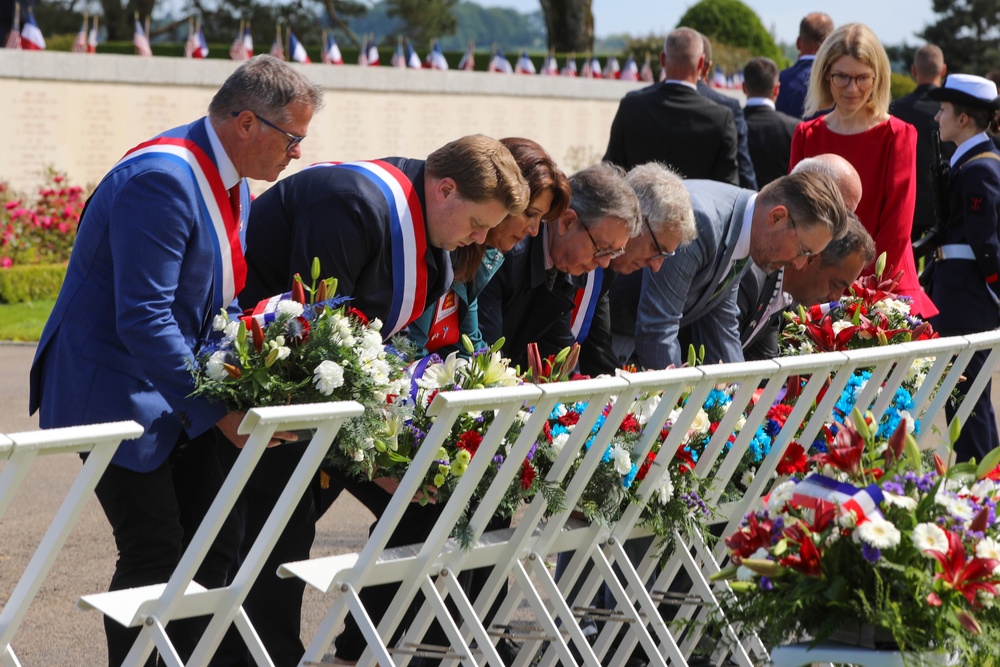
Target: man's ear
565	221
445	187
777	214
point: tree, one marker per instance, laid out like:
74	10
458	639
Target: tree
424	20
570	25
732	23
968	31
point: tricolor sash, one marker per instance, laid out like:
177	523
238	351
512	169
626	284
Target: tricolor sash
585	303
409	240
863	502
213	198
265	311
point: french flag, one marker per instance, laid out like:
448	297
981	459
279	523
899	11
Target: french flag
631	71
296	50
612	70
331	54
31	35
436	58
524	64
412	59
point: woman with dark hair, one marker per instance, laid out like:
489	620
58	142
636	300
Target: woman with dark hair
851	74
965	285
440	328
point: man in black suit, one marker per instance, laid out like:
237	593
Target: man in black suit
795	79
919	110
769	132
531	298
748	178
670	122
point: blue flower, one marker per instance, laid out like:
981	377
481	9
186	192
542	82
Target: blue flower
630	477
871	554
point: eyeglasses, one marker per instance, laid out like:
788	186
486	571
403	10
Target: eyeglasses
862	81
803	252
293	139
660	252
603	252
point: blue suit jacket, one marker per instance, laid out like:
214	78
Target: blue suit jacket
682	292
794	84
137	299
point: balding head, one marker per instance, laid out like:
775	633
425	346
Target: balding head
813	29
683	50
928	65
840	170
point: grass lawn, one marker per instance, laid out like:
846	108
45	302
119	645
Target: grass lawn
24	321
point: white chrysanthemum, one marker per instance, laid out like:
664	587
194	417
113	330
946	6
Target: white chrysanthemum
906	502
959	508
644	408
621	459
328	376
929	537
558	442
289	307
908	420
359	455
214	368
700	423
780	496
439	375
747	478
372	341
879	533
220	321
665	491
522	416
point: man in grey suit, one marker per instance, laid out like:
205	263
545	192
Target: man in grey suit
790	220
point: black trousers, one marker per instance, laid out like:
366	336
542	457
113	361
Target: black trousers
153	516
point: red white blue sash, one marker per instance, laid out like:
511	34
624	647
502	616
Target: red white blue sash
266	310
585	303
863	502
230	265
409	240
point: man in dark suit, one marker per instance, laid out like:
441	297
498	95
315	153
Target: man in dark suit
918	109
792	218
532	297
159	250
670	122
769	132
359	218
795	80
748	178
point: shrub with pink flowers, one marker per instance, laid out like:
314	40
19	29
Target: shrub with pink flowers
42	229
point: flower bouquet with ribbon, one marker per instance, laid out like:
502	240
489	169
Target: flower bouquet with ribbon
869	535
290	349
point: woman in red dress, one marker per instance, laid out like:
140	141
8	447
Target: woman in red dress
851	74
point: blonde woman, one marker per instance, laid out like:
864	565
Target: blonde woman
851	75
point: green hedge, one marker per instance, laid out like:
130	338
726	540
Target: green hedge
31	282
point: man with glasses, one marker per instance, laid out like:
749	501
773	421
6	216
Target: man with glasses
791	219
532	297
158	252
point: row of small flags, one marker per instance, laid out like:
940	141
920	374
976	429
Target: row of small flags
29	37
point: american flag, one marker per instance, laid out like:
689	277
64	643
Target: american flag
31	35
524	65
331	53
80	43
631	71
468	61
296	50
435	59
140	40
277	50
398	58
569	69
14	38
612	70
498	63
646	73
550	67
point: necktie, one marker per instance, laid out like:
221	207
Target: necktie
731	276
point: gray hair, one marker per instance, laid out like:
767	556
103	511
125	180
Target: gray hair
683	47
266	86
856	240
601	192
663	200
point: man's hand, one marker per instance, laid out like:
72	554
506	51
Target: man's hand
230	424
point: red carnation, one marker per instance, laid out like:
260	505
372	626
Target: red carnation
646	465
570	418
794	460
358	315
470	441
630	424
527	475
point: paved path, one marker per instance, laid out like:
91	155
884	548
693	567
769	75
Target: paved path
55	633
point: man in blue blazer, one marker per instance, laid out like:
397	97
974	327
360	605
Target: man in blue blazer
795	80
791	219
158	254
